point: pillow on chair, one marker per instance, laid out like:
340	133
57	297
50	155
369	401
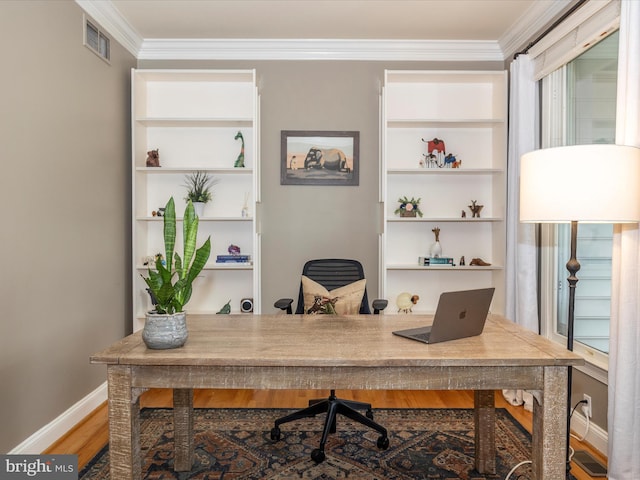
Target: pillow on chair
342	301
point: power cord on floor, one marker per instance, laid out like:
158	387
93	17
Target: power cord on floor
571	451
585	412
515	468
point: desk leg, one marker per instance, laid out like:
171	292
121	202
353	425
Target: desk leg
183	429
550	426
124	425
485	431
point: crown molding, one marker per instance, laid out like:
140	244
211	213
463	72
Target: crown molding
537	17
317	49
110	19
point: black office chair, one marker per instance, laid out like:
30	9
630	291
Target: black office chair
332	274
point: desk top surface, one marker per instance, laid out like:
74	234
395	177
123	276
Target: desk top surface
324	340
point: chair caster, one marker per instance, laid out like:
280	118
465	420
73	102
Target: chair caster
275	434
369	414
317	455
383	442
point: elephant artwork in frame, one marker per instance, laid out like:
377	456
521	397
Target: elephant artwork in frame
319	158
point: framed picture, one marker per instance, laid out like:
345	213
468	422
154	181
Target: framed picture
319	158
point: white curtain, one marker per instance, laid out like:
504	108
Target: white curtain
521	265
624	356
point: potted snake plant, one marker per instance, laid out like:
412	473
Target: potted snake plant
170	285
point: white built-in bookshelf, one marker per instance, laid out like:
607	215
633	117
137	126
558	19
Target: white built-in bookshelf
192	118
468	111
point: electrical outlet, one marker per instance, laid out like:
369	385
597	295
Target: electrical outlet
587	407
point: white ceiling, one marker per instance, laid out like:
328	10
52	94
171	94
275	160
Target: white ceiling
505	23
324	19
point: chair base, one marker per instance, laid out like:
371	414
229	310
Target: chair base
333	406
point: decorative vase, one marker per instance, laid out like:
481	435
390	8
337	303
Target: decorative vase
162	331
199	208
436	250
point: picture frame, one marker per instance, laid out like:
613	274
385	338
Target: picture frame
319	157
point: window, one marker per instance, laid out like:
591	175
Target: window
96	40
583	96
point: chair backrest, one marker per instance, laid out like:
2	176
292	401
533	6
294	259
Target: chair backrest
333	273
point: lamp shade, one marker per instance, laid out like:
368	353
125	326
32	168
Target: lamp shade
585	183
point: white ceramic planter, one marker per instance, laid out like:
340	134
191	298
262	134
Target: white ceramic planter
198	207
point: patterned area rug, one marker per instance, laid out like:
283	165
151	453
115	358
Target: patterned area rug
235	444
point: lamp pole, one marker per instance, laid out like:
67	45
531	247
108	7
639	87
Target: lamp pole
572	266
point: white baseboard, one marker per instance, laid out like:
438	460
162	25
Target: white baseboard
596	436
43	438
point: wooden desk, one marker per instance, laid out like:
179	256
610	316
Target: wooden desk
329	352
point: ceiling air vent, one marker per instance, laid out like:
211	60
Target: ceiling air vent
96	40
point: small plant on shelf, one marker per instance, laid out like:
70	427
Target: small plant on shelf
199	186
408	208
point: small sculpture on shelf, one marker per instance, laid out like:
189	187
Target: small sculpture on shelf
408	208
451	161
226	309
475	209
430	160
240	160
435	145
153	158
233	249
464	214
406	301
478	262
436	248
462	261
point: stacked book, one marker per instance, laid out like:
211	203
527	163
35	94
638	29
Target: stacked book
233	259
436	261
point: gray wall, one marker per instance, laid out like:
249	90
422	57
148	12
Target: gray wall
304	222
64	148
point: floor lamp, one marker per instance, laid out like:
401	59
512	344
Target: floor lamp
582	183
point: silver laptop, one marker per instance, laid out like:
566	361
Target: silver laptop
458	315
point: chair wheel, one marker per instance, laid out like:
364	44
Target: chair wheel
317	455
383	442
275	434
369	414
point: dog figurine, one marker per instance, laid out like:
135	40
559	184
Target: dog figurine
153	158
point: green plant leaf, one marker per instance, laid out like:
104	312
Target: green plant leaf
169	231
190	233
202	255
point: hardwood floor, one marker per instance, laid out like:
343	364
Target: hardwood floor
90	435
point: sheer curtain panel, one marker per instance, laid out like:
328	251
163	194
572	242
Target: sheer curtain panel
624	354
521	266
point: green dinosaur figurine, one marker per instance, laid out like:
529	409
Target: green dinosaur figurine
226	309
240	160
